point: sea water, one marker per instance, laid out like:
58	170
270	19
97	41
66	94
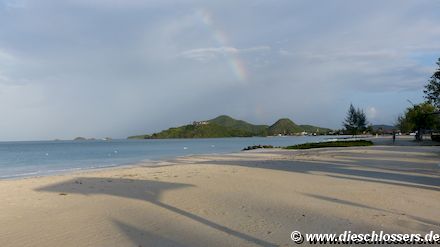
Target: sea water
35	158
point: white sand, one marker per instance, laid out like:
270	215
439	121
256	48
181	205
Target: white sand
246	199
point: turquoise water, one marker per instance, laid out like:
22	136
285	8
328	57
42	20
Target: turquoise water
24	159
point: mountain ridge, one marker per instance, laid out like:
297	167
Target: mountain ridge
226	126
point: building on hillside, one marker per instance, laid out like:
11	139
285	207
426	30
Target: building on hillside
198	123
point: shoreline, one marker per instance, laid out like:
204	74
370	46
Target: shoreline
42	173
142	163
378	141
251	198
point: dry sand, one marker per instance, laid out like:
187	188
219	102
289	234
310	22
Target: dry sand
245	199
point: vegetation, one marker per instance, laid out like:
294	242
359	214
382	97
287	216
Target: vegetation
355	143
315	129
381	129
197	131
432	89
423	116
225	126
256	147
284	126
356	121
418	118
227	121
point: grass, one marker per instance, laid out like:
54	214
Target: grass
356	143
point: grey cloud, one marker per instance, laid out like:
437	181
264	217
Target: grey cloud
206	54
117	68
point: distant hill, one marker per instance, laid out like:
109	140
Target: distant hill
230	122
210	130
226	126
284	126
383	128
314	129
80	138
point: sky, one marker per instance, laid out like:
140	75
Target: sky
116	68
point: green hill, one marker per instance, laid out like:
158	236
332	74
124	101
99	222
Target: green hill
284	126
314	129
230	122
221	126
225	126
210	130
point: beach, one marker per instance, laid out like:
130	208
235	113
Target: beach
254	198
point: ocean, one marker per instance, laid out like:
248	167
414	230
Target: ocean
37	158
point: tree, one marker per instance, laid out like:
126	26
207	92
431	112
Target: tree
418	118
404	125
370	129
350	120
432	90
361	122
355	121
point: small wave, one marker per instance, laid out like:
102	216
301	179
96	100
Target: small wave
56	171
24	174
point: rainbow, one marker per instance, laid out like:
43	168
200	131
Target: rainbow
235	62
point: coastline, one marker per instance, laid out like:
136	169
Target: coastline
80	171
378	141
50	159
251	198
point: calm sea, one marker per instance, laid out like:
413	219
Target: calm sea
35	158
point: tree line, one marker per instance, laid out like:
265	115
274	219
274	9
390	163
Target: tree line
417	118
424	116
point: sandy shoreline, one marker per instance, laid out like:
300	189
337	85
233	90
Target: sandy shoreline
242	199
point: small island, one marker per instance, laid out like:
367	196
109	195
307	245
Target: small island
80	138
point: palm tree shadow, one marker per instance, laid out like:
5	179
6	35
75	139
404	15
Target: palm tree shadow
423	221
144	238
385	174
144	190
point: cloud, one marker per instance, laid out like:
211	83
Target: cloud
131	67
6	57
371	113
13	4
207	54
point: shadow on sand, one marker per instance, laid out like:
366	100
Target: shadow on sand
144	190
144	238
388	172
427	222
